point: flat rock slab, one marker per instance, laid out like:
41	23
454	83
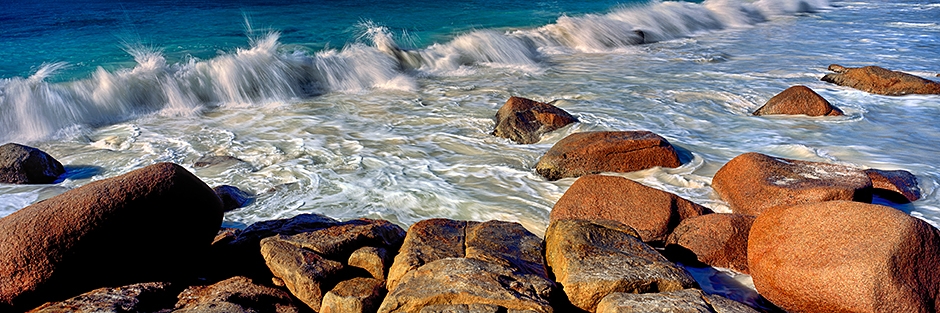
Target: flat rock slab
592	259
798	100
880	81
21	164
681	301
753	182
596	152
718	240
234	295
143	297
524	121
843	256
653	213
337	242
151	224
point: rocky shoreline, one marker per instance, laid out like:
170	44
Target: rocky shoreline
150	240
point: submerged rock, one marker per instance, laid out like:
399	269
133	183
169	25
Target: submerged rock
798	100
843	256
881	81
718	240
232	197
524	121
21	164
595	152
653	213
152	224
753	182
592	259
234	295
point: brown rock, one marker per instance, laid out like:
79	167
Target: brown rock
524	121
880	81
891	183
843	256
373	260
143	297
339	241
798	100
507	244
21	164
595	152
715	239
653	213
234	295
463	308
306	274
680	301
147	225
753	182
592	259
425	242
357	295
232	197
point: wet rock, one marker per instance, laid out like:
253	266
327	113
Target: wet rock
843	256
881	81
143	297
463	308
595	152
798	100
592	259
154	224
891	184
718	240
754	182
234	295
653	213
681	301
339	241
305	273
232	197
357	295
21	164
524	121
445	263
220	161
373	260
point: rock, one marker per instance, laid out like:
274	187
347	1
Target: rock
373	260
892	184
465	281
219	160
592	259
681	301
357	295
653	213
753	182
151	224
232	197
880	81
843	256
718	240
463	308
595	152
524	121
143	297
306	274
21	164
235	295
798	100
444	264
339	241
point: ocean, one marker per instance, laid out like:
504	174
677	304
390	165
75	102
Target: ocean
385	109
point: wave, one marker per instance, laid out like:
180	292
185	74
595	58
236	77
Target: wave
33	109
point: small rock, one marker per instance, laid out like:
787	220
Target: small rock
155	223
306	274
234	295
371	259
144	297
595	152
21	164
718	240
881	81
754	182
681	301
592	259
219	160
357	295
524	121
844	256
653	213
890	183
798	100
232	197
